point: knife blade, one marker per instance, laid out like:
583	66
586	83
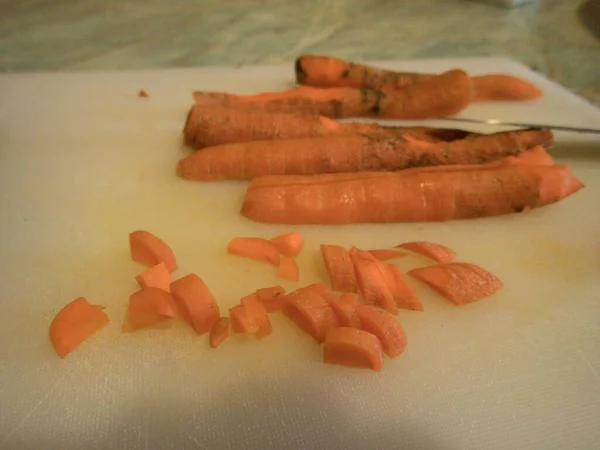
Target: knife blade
524	125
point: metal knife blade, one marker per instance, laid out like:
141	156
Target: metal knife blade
525	125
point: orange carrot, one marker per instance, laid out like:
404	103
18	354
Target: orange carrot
289	243
437	252
374	280
196	303
339	268
385	254
272	297
345	313
241	321
73	324
350	298
150	250
461	283
311	313
383	325
413	195
288	269
503	87
536	156
148	307
353	348
255	248
316	288
219	332
404	294
257	313
157	276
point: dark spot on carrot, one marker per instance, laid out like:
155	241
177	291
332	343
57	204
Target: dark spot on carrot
346	73
300	74
519	209
364	96
379	96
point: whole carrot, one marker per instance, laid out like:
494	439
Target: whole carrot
350	153
415	195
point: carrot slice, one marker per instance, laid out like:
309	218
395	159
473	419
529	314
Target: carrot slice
383	325
149	307
311	313
272	297
404	294
339	267
150	250
157	276
289	243
257	312
195	302
288	269
219	332
241	322
353	347
345	313
349	298
74	323
316	288
255	248
437	252
374	280
385	254
461	283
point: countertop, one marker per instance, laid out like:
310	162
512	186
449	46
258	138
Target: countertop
41	35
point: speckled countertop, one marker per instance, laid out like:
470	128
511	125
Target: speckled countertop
116	34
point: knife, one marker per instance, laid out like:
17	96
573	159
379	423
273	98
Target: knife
525	125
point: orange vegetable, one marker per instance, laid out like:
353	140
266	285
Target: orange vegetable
339	268
461	283
289	243
503	87
272	297
437	252
219	332
241	322
288	269
374	280
385	254
74	323
257	312
349	298
404	294
345	313
383	325
255	248
536	156
316	288
353	348
196	303
311	313
150	250
157	276
148	307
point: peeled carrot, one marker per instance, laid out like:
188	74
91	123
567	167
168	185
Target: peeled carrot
257	313
255	248
150	250
289	243
288	269
353	348
383	325
461	283
311	313
157	276
374	280
385	254
241	321
503	87
345	313
437	252
404	294
339	268
272	297
219	332
196	303
350	298
414	195
148	307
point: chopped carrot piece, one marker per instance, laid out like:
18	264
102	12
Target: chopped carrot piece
345	313
74	323
241	322
149	307
150	250
461	283
374	280
339	267
349	298
316	288
289	243
437	252
288	269
385	254
255	248
272	297
311	313
404	294
353	347
157	276
383	325
257	312
196	303
219	332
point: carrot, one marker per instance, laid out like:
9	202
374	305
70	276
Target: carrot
150	250
353	348
437	252
289	243
404	294
503	87
351	153
413	195
157	276
350	298
148	307
536	156
195	302
374	280
311	313
339	268
383	325
272	297
219	332
288	269
461	283
316	288
241	321
345	313
257	313
255	248
385	254
73	324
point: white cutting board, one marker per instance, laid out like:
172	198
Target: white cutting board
84	161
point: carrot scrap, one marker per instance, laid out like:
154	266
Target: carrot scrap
148	307
437	252
289	243
143	93
316	288
241	322
383	325
339	268
374	280
346	314
349	298
257	312
272	297
353	347
503	87
385	254
311	313
196	303
404	294
150	250
288	269
255	248
219	332
74	323
157	276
